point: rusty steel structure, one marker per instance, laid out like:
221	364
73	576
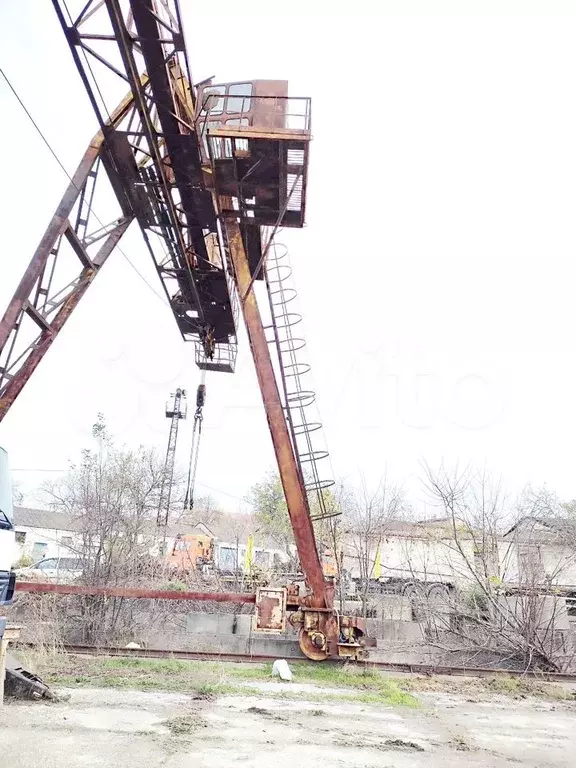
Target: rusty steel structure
133	592
209	173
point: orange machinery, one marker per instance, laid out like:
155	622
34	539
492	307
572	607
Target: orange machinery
191	551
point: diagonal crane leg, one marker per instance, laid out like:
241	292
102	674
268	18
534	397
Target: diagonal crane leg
294	491
36	298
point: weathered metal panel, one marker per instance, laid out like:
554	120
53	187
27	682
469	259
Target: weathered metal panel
270	616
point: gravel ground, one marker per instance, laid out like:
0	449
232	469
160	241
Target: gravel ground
108	728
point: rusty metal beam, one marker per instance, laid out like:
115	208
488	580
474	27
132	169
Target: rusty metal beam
34	296
78	247
39	319
57	226
132	592
155	163
296	499
44	342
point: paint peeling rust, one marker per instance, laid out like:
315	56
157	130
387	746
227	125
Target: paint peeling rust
270	610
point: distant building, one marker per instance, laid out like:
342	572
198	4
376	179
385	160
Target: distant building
540	551
41	533
231	534
535	552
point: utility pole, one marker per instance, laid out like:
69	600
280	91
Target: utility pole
175	410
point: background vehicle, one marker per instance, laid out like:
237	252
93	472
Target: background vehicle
63	568
190	552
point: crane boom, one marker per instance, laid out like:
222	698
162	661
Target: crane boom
202	172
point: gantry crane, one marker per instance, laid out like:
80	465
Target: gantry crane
209	173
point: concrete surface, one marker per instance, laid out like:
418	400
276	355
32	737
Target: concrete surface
112	729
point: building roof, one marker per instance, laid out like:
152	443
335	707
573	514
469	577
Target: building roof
44	518
236	528
543	529
25	517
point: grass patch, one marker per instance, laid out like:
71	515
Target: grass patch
520	687
210	679
513	686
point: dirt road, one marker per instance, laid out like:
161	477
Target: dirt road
107	728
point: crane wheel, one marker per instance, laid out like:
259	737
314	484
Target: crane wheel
311	645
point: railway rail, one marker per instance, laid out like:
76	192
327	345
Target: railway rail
385	666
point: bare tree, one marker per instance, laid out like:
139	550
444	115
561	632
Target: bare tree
206	510
112	496
493	610
271	513
367	518
326	508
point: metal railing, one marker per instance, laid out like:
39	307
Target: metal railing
224	357
266	114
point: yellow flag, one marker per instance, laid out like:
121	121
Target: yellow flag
249	553
377	564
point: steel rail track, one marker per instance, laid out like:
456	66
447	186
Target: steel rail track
415	669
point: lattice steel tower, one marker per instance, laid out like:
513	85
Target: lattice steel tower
176	409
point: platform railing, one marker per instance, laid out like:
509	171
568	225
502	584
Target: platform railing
224	357
283	115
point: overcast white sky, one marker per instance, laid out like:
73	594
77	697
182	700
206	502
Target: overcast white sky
436	272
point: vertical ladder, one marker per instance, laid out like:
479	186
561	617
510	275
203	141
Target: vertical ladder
299	399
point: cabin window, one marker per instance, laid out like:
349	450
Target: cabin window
237	97
213	100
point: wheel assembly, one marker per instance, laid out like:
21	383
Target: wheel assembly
313	644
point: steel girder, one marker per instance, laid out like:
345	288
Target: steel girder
116	42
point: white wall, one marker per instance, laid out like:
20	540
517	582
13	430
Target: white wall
56	547
558	562
52	538
427	559
433	559
423	559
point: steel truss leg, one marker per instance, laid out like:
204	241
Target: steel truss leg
35	297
